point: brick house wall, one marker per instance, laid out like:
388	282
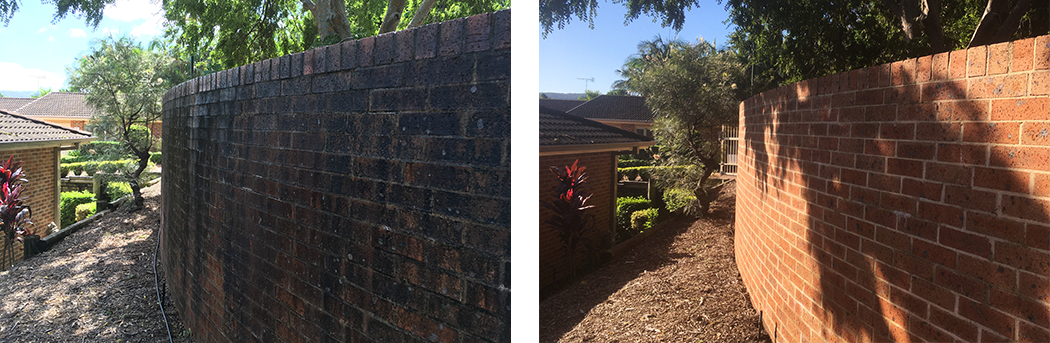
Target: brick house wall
903	202
354	192
601	175
41	168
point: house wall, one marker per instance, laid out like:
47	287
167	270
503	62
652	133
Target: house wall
904	202
354	192
601	176
40	166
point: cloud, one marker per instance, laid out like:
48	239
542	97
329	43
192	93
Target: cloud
18	78
77	33
42	30
134	10
50	38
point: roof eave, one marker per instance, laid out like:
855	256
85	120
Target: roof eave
44	144
551	150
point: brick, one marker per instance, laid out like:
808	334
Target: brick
903	72
960	153
995	226
1033	286
880	113
923	189
1027	332
966	242
1001	179
451	38
944	132
999	59
1019	256
477	32
1041	55
934	253
962	285
998	321
1040	84
976	61
916	150
940	213
911	168
957	65
949	174
1032	158
923	69
998	87
896	131
939	66
993	132
1020	109
1023	308
1022	55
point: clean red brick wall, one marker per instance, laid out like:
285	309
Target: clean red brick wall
908	201
40	167
601	175
357	192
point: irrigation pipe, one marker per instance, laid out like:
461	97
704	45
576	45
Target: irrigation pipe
156	283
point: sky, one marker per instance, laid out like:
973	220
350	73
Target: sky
36	51
580	52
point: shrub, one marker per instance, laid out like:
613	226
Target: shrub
676	198
154	157
645	172
116	190
92	167
100	151
85	210
69	203
625	206
644	219
634	163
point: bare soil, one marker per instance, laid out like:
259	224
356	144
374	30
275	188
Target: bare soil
680	285
96	285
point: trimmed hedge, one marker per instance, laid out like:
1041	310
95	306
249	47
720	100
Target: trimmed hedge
85	210
116	190
644	219
92	167
676	198
634	163
69	203
625	206
645	172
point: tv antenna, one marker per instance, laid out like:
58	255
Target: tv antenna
585	81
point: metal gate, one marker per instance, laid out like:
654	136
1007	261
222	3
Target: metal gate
729	138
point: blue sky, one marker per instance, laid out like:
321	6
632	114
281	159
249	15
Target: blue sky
580	52
34	47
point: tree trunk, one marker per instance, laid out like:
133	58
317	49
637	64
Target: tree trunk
989	23
422	12
393	16
136	188
330	16
934	28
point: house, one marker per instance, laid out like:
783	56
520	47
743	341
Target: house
563	105
12	104
67	109
564	139
623	111
38	144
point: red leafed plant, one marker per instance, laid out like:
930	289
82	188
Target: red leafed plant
15	216
570	217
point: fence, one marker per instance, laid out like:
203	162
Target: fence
730	137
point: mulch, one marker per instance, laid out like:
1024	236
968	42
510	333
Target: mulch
96	285
680	285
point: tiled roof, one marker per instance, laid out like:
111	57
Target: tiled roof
560	128
58	104
614	107
15	128
12	104
560	104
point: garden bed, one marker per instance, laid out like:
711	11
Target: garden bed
680	285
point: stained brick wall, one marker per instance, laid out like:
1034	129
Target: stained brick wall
40	166
906	202
601	175
355	192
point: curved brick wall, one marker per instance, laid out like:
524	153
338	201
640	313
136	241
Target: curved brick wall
354	192
903	202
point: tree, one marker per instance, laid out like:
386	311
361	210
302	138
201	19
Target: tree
589	94
40	93
123	82
90	10
792	40
238	32
692	89
542	96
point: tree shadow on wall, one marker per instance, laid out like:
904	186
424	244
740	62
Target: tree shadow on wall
907	206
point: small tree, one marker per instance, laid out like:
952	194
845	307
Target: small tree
124	83
15	216
570	209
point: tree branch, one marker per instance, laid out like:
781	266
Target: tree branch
1012	22
422	12
393	16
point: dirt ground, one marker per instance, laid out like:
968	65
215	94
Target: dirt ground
680	285
96	285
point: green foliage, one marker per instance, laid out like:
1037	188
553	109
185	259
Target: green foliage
40	93
154	157
649	172
589	94
625	206
643	220
677	198
560	12
85	210
68	205
91	167
634	163
117	190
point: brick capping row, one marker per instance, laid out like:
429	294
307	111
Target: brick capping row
353	192
908	201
